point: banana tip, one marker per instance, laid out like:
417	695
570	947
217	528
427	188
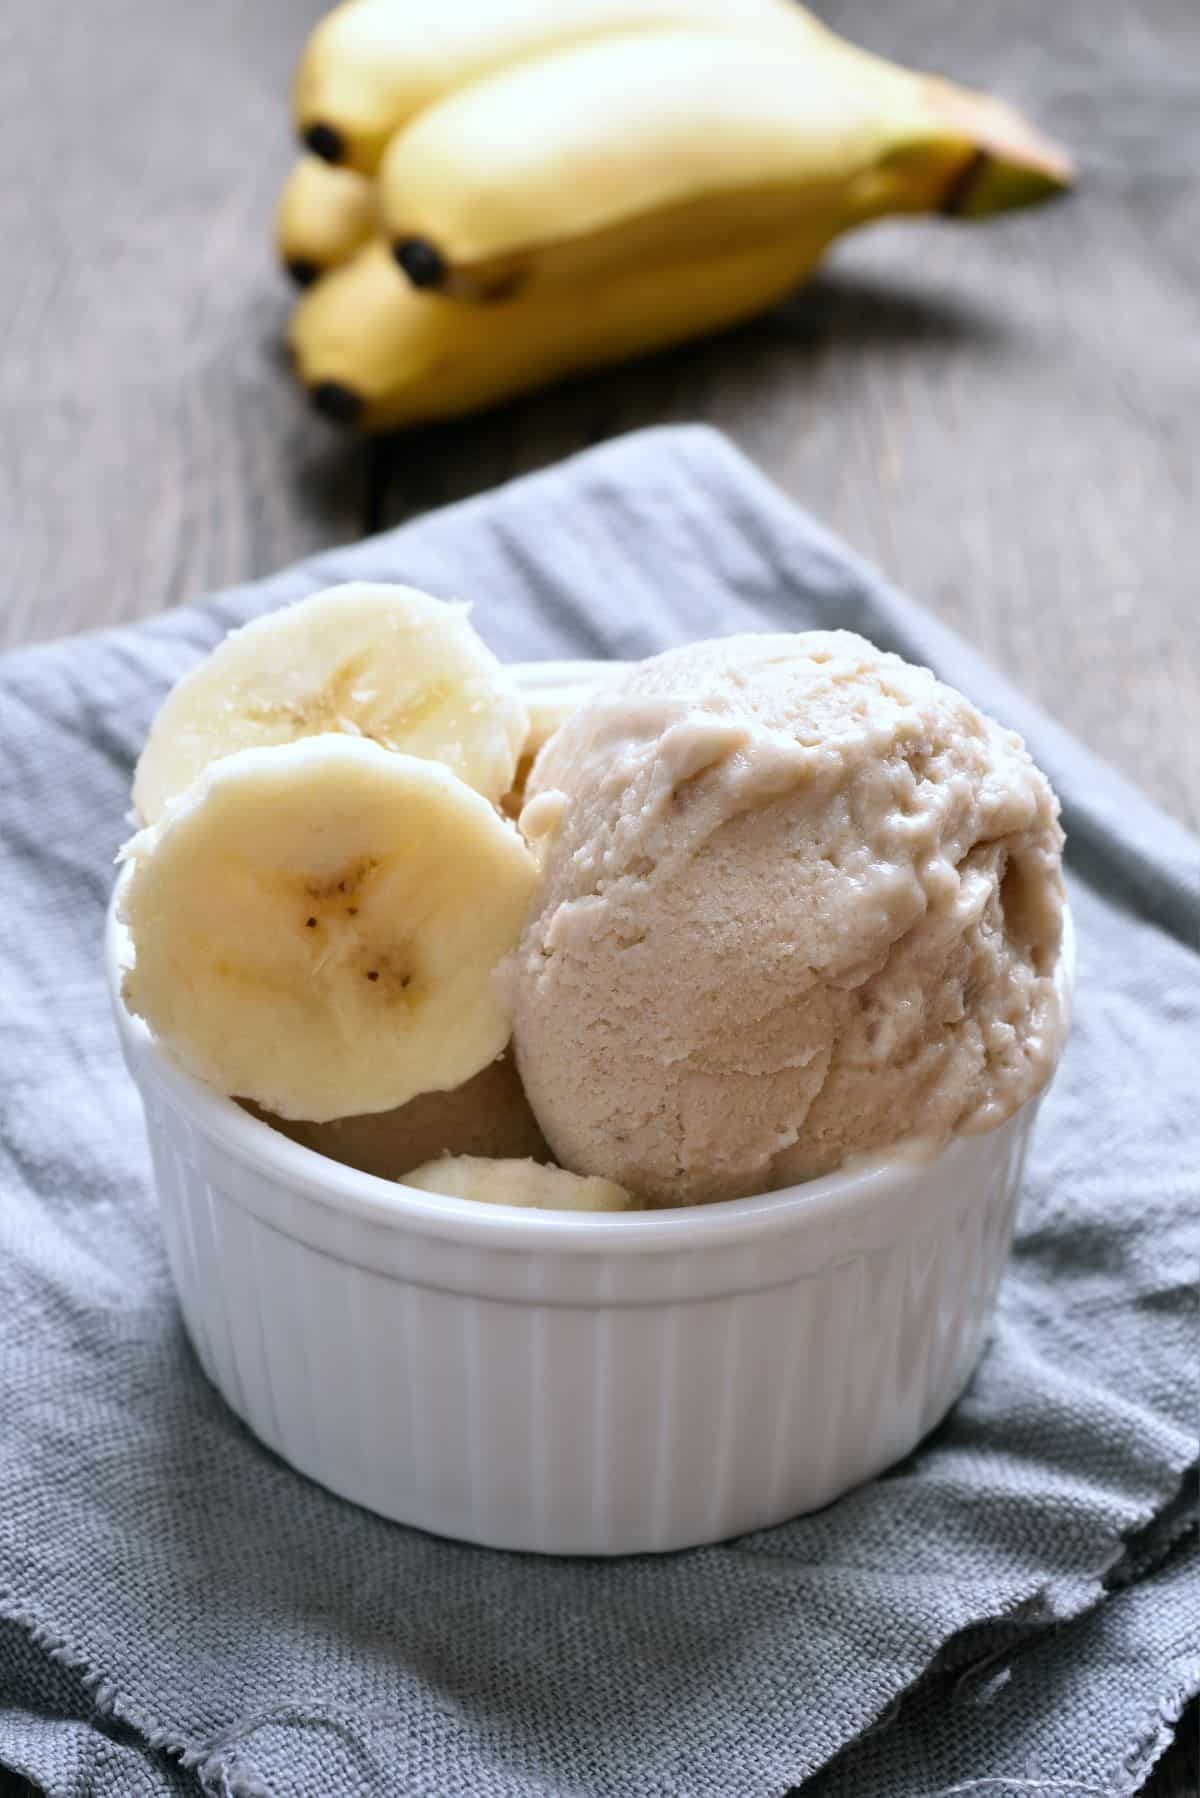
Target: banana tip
1012	163
325	141
420	260
338	402
994	181
302	271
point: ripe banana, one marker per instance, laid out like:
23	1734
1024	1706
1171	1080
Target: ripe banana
324	215
518	1183
385	663
608	153
370	66
490	1115
376	353
317	925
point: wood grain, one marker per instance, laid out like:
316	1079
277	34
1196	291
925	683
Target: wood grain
1002	417
153	445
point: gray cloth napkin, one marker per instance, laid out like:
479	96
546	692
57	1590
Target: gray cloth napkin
179	1611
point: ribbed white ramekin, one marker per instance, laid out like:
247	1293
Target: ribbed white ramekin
573	1383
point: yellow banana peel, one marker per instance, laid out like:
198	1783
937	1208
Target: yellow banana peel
570	165
372	65
375	353
324	215
585	183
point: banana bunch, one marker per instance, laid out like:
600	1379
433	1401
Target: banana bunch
497	193
327	879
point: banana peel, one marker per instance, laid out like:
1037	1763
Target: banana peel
324	215
570	166
372	65
377	354
610	178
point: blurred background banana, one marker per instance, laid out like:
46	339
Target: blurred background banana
376	353
525	190
371	65
603	154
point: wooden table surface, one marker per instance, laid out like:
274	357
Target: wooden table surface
1004	418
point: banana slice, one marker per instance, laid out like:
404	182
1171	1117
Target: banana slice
385	663
518	1183
316	927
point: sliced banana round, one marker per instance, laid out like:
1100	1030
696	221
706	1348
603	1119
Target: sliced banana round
317	925
385	663
518	1183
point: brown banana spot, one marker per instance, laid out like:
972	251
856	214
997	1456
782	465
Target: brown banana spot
391	973
348	881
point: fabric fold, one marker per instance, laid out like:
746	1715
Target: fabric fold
1130	1665
283	1642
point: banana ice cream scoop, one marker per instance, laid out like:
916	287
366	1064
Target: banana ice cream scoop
800	901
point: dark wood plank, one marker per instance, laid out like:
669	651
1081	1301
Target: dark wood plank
1003	416
153	445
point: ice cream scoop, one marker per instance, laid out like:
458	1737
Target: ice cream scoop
488	1115
800	901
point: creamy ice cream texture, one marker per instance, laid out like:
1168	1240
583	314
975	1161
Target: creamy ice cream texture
800	901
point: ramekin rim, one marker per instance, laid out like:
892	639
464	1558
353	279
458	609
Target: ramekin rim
390	1203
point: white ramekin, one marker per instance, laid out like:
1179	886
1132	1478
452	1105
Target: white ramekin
573	1383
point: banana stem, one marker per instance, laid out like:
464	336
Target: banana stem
1007	162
